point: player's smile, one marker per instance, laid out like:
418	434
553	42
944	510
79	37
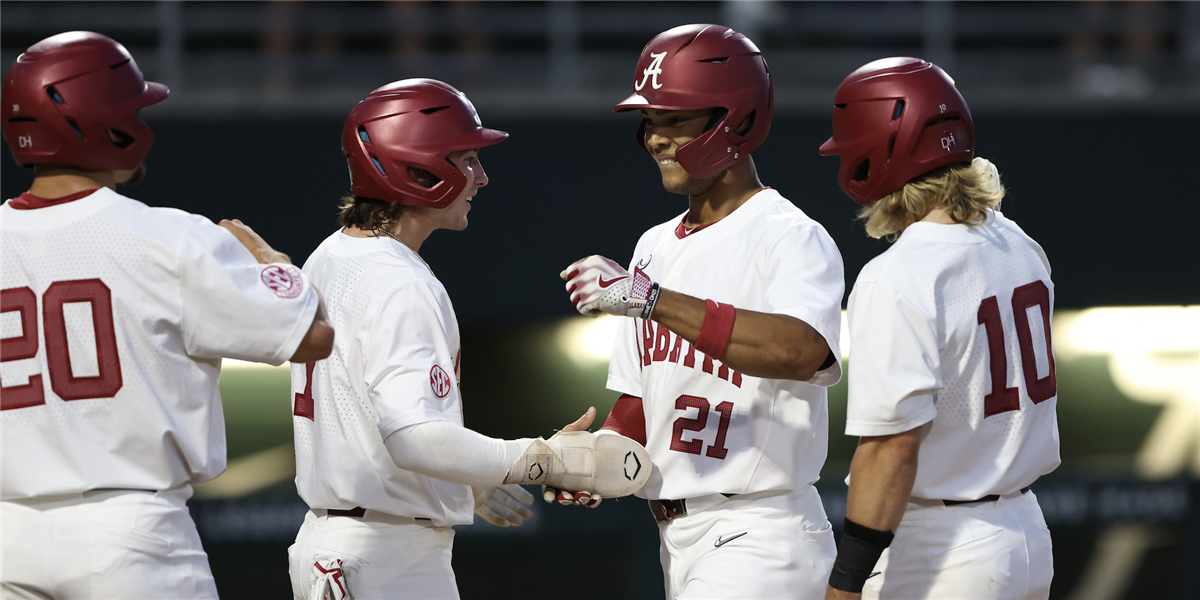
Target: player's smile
665	132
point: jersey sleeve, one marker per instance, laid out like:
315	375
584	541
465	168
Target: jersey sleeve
625	363
805	281
234	307
408	357
895	355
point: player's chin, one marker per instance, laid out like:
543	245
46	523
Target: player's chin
679	185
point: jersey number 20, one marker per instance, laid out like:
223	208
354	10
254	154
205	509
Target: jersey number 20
62	380
1002	399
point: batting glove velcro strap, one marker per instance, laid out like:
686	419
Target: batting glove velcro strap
565	498
611	466
857	554
598	285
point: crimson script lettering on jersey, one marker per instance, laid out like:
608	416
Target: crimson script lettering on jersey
659	344
63	381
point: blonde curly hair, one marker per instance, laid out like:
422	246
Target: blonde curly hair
966	191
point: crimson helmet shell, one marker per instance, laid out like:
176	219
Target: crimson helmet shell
895	119
64	95
412	123
694	67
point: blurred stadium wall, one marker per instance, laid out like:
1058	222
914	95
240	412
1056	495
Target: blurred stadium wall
1090	109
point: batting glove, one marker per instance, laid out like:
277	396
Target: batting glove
327	580
565	498
610	465
598	285
503	505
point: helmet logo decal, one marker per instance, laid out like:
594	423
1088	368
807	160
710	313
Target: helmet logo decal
948	142
25	141
942	107
652	71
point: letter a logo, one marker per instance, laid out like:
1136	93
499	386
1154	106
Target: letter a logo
654	70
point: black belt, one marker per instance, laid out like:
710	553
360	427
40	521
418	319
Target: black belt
988	498
357	512
665	510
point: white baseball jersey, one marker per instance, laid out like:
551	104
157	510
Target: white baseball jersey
950	330
710	429
394	364
115	319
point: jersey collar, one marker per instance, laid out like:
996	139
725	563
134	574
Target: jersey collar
28	201
682	231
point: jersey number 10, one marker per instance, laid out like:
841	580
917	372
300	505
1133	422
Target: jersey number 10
62	380
1002	399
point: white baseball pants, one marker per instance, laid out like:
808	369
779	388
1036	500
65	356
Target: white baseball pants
104	544
776	544
995	550
384	556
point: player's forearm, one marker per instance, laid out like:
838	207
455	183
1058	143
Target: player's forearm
762	345
881	479
453	453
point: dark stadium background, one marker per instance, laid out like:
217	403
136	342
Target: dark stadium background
1107	187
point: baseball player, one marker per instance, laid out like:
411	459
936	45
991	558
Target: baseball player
952	388
733	335
115	318
382	455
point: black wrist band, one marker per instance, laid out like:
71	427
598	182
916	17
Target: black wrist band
858	552
650	301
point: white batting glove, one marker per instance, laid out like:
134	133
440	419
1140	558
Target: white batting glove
503	505
598	285
565	498
327	579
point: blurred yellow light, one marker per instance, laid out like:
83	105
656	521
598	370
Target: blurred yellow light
588	341
1134	329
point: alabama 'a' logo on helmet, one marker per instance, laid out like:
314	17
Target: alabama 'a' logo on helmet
652	72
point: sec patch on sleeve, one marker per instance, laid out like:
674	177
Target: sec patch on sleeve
440	381
285	281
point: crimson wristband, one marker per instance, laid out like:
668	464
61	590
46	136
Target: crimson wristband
858	552
716	329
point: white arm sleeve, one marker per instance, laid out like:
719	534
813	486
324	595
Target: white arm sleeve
453	453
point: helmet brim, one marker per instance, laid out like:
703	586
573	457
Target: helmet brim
155	93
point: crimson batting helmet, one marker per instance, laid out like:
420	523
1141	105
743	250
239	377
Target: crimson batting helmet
895	119
412	123
74	99
693	67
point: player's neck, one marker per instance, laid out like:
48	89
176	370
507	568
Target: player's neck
53	181
405	231
939	215
739	183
